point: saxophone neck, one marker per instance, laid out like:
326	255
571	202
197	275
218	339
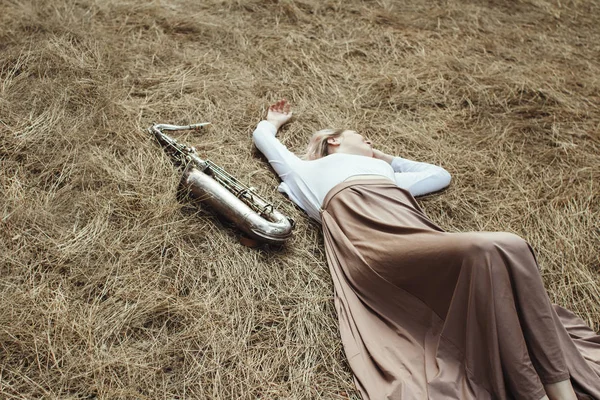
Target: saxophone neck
180	153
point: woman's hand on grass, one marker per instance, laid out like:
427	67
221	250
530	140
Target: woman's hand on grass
279	113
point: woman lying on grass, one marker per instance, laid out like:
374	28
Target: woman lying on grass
426	313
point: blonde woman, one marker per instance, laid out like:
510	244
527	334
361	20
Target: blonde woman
424	313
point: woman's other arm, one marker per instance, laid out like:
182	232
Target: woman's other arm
418	178
282	160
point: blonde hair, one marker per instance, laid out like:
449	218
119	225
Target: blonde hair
317	146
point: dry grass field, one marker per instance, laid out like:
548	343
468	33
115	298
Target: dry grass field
112	289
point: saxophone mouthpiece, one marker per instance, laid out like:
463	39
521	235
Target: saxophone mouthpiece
199	126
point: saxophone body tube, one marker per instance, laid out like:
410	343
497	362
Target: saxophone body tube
275	229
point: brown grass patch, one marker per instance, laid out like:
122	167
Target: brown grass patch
112	289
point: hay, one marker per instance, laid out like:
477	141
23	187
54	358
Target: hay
112	289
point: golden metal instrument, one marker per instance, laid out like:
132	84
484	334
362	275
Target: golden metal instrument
211	184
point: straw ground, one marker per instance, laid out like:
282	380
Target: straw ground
110	288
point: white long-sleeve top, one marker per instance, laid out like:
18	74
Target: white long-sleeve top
307	182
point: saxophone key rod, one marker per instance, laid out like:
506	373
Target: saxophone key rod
167	127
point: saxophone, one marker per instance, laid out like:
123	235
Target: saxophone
211	184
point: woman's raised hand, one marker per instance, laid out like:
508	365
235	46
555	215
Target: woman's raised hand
279	113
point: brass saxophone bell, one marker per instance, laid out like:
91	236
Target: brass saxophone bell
250	213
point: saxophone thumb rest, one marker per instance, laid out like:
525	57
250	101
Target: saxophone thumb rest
208	183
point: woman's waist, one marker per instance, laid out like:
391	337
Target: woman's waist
368	179
367	176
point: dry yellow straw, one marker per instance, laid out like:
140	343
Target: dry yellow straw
111	289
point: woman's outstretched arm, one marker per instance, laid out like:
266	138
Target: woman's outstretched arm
264	137
418	178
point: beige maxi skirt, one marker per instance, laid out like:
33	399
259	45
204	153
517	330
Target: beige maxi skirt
428	314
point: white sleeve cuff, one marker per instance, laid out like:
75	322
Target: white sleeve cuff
267	127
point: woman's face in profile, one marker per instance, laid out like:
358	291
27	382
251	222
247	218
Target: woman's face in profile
355	143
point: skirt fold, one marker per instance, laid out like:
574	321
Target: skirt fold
428	314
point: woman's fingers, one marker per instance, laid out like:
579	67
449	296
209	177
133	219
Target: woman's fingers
282	107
